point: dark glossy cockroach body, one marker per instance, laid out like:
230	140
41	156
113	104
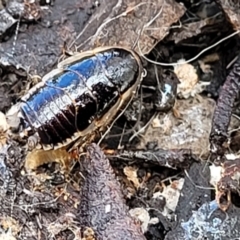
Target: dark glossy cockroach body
82	95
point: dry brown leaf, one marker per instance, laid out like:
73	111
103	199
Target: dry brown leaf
120	23
190	131
232	10
189	30
131	174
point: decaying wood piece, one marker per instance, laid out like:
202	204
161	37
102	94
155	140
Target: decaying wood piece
102	206
223	112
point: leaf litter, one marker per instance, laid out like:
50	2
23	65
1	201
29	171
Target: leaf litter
164	31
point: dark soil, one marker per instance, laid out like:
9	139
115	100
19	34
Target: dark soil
171	152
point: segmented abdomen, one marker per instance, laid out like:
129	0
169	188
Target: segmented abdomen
71	100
